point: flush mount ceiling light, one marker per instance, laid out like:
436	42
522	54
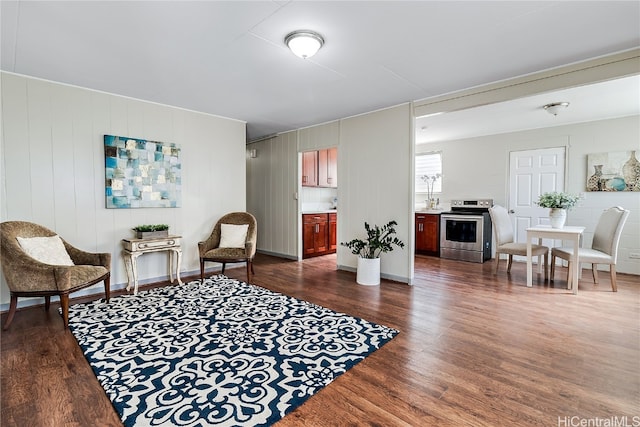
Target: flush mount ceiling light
555	107
304	43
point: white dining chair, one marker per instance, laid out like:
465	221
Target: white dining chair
505	240
604	248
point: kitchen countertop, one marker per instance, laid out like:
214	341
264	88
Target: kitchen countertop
320	211
430	211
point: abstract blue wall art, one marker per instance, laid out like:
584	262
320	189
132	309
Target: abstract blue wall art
141	174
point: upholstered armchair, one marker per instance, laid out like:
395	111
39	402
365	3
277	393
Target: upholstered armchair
26	276
232	240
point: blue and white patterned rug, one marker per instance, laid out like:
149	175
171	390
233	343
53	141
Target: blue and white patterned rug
221	353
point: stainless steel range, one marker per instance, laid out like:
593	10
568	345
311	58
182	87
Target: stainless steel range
465	231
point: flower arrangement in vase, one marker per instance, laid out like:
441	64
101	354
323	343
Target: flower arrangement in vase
430	180
558	203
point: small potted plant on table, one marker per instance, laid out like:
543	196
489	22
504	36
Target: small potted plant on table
378	241
558	203
147	231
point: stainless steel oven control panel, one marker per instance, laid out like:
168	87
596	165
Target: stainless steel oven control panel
470	204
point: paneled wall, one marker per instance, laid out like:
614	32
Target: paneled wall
272	193
53	169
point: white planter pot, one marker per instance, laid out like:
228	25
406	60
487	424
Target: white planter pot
557	217
368	271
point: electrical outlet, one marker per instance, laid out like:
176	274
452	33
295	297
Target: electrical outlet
635	255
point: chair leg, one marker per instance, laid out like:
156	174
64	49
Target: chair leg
107	288
223	265
497	263
12	312
252	272
546	266
553	267
248	271
594	272
47	303
64	303
201	270
612	271
509	265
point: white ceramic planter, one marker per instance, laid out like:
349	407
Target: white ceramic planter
368	271
557	217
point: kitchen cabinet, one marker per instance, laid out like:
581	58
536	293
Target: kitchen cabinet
333	232
310	169
427	234
318	234
320	168
328	168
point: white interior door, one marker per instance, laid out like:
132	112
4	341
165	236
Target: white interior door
531	173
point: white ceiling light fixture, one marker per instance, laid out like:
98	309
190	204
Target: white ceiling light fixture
555	107
304	43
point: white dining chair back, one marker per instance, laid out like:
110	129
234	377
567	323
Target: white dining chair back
604	248
505	244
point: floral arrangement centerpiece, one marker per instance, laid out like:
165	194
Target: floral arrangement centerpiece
558	203
430	180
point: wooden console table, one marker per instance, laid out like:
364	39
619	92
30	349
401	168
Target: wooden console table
133	248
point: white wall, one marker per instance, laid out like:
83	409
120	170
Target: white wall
479	167
53	169
271	191
375	175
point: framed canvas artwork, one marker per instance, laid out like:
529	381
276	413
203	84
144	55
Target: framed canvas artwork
614	171
141	174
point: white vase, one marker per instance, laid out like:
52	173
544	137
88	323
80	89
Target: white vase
368	271
557	217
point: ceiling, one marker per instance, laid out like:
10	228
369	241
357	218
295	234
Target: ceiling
228	57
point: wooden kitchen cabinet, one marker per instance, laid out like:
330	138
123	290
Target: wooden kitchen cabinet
320	168
333	232
328	168
318	234
310	169
427	234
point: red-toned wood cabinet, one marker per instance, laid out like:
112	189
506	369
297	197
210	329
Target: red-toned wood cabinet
328	168
320	168
318	234
428	234
310	169
333	232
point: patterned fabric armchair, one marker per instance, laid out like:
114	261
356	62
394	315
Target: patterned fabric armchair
211	250
28	277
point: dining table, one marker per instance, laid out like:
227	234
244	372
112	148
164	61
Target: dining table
568	233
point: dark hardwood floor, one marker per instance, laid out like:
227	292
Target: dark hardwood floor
474	349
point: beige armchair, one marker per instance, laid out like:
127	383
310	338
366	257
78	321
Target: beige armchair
28	277
229	252
504	240
604	248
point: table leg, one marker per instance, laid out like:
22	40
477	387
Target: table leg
170	255
179	261
128	267
134	269
529	263
575	264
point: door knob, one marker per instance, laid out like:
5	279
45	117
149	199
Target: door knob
512	211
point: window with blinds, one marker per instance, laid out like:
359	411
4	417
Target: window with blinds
428	164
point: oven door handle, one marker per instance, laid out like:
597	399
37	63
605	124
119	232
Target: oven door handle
461	217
